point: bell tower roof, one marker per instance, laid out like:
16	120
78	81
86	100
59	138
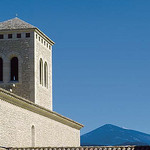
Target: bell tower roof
18	24
14	24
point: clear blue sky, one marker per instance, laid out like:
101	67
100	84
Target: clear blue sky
101	60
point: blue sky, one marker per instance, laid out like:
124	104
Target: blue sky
101	59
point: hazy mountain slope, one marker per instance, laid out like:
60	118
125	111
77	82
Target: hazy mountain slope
113	135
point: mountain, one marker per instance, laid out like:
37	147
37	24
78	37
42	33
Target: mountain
111	135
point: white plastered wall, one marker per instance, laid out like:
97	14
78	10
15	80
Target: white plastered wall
16	124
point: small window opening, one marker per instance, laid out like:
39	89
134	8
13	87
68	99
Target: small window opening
45	75
19	35
1	36
33	136
9	36
41	71
39	38
1	69
14	69
27	35
36	36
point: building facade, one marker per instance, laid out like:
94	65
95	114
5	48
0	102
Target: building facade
26	114
26	54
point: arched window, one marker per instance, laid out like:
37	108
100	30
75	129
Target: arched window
33	136
41	71
1	69
45	75
14	69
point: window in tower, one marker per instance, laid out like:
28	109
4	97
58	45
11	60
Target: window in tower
41	71
9	36
45	75
14	69
27	35
18	35
1	69
1	36
50	47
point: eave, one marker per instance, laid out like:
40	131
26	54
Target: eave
28	105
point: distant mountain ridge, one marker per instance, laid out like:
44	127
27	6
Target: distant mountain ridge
111	135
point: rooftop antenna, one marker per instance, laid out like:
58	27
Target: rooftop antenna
16	15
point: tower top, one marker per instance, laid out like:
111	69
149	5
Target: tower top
14	24
26	53
18	24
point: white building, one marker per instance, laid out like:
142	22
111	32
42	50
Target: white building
26	115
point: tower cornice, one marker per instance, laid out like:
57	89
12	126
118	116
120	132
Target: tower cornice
16	24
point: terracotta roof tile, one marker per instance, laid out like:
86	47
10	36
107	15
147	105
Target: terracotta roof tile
87	148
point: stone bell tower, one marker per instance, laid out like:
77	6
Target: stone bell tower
26	62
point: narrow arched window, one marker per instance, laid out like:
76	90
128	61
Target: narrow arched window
45	75
33	136
1	69
41	71
14	69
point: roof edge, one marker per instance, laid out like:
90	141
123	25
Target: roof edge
35	29
128	147
26	104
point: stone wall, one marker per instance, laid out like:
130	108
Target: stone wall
29	51
43	95
24	123
23	49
